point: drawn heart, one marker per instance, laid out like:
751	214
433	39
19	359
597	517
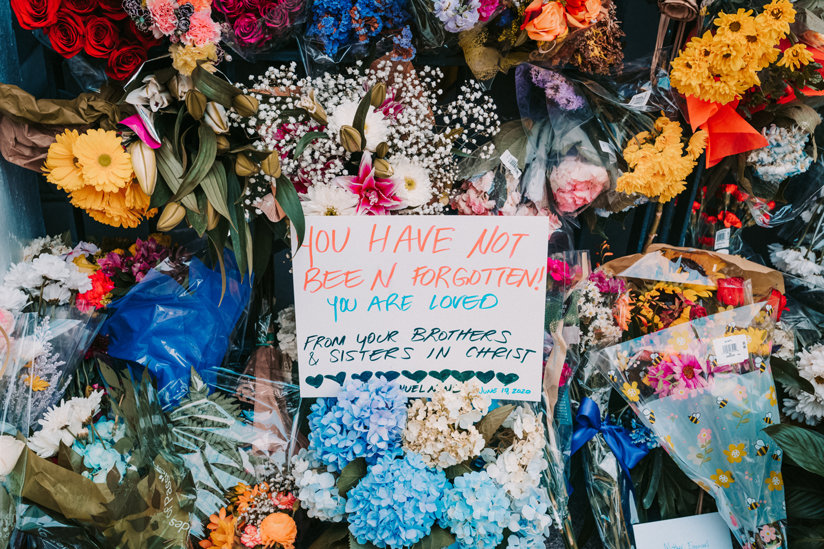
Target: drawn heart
507	379
388	376
339	377
315	381
440	376
363	376
462	376
486	377
417	376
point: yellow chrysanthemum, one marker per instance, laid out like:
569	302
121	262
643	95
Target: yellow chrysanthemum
741	22
36	383
776	17
61	165
795	57
728	56
105	164
186	58
222	534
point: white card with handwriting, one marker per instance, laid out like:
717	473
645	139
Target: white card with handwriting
697	532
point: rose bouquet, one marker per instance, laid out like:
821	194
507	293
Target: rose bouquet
101	30
374	141
705	389
258	26
447	469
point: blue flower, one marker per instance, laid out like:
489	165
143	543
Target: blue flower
99	455
529	520
476	510
337	24
397	503
316	488
366	420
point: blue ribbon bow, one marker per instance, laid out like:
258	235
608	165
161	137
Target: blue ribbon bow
588	424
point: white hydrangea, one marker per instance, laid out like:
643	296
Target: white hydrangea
442	429
316	488
803	406
287	339
518	468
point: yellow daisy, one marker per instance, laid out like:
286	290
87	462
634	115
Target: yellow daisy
741	22
775	482
735	453
103	161
795	57
722	478
631	391
61	165
776	17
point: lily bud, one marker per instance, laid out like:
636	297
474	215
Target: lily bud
144	165
350	139
382	149
212	217
383	169
271	165
378	94
244	166
171	216
179	84
222	144
215	117
195	103
245	105
315	109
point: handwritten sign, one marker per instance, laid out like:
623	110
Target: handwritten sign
696	532
425	300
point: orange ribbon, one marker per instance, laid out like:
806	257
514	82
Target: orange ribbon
727	131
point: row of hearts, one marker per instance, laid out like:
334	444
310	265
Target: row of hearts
417	376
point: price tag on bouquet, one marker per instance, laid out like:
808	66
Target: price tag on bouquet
424	300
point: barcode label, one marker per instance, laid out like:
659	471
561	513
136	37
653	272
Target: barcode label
511	164
722	240
640	99
731	349
607	147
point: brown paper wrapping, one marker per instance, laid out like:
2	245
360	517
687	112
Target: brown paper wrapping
26	144
763	279
86	108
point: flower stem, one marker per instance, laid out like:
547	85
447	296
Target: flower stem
653	231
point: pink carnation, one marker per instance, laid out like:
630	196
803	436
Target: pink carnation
202	30
472	202
250	536
163	16
487	8
576	183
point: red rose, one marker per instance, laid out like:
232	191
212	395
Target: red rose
80	7
778	302
34	14
67	35
231	8
731	291
113	9
125	61
101	37
696	311
132	35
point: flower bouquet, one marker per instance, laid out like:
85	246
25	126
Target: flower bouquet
260	26
705	388
447	469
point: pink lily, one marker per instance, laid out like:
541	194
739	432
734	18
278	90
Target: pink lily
376	196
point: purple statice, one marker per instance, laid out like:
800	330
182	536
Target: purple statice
557	89
457	15
607	284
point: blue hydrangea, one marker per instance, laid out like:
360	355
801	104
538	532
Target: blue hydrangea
397	503
366	420
316	488
476	511
529	520
98	453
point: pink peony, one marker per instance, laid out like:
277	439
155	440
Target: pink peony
202	30
376	196
576	183
163	16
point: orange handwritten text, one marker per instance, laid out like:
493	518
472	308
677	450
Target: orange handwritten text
497	242
316	280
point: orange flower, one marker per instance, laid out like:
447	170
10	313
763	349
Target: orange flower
621	312
582	13
278	528
222	535
545	22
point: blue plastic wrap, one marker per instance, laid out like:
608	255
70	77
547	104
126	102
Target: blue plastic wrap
171	329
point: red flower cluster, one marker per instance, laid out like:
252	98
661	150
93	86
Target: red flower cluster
98	27
97	297
256	22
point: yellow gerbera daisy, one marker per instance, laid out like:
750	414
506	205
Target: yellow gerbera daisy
61	165
795	57
103	161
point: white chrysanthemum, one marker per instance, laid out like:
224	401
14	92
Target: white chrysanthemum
803	406
375	129
412	181
64	422
12	299
45	244
783	342
22	276
323	199
56	293
51	267
46	442
798	261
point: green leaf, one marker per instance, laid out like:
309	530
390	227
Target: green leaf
262	245
807	537
334	533
306	139
287	197
652	488
492	421
437	539
787	374
359	123
198	220
204	159
351	475
171	170
805	502
214	87
177	129
455	471
214	185
802	446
